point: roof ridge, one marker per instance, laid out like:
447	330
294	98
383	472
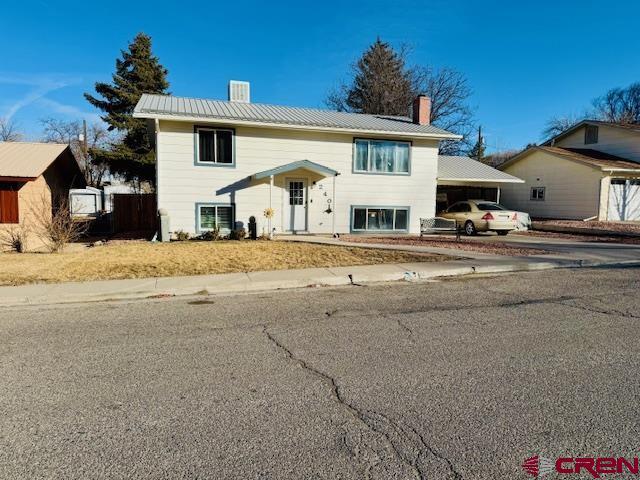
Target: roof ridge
36	143
272	105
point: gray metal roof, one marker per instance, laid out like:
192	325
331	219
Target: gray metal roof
465	169
165	106
305	164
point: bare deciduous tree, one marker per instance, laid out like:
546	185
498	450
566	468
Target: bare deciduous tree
557	125
59	131
9	131
498	158
449	92
619	105
382	84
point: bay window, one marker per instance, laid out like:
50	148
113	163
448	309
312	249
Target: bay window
381	156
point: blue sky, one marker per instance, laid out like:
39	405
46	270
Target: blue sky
525	61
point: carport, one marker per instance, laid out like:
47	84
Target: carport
463	178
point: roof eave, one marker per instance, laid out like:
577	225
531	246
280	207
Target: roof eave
481	180
286	126
632	170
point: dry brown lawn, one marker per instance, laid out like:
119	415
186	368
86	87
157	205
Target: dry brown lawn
137	259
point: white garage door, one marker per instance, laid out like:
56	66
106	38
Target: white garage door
624	199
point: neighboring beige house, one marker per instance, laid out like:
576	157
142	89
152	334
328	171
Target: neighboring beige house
34	179
590	171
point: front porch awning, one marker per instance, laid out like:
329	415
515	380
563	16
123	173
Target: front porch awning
301	164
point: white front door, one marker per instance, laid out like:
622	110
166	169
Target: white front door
624	200
296	205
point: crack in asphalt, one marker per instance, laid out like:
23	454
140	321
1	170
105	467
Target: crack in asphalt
599	310
401	428
365	417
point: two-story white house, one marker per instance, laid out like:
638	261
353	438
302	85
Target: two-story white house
320	171
590	171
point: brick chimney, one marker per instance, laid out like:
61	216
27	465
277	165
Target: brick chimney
422	110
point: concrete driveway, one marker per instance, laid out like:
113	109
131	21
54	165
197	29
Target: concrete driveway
593	251
460	379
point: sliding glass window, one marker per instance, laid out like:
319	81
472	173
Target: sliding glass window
380	219
381	156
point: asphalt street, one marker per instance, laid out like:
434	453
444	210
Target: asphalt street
455	379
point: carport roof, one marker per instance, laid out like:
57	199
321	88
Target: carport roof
465	169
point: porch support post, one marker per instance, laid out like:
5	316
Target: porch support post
333	209
498	195
270	204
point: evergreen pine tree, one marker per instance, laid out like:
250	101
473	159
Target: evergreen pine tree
137	72
382	85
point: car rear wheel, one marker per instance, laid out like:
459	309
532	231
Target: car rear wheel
470	228
502	232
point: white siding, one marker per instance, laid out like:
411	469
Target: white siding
572	190
181	184
615	141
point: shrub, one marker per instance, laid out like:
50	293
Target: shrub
14	239
55	224
238	234
182	236
211	235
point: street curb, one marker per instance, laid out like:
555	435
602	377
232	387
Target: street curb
341	279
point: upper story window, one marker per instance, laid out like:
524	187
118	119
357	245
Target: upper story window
590	134
381	156
214	146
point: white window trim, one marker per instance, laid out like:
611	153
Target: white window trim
371	172
366	208
215	163
199	206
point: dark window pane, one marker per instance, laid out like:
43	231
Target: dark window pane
386	219
225	147
359	218
401	219
207	217
225	218
206	146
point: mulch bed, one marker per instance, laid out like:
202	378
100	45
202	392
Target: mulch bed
466	244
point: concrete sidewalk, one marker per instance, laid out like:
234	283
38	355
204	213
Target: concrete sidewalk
41	294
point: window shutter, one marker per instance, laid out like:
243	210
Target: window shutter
9	205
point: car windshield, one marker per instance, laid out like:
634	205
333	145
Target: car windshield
489	206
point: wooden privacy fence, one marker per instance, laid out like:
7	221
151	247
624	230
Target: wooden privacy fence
134	212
